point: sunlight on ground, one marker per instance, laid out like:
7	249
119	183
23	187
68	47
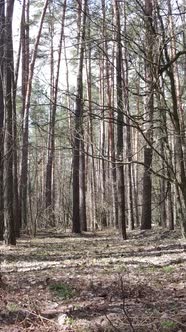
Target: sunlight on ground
113	284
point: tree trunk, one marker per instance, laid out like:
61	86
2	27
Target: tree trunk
111	136
51	129
82	187
51	140
24	161
146	221
17	212
147	190
119	87
77	204
25	74
10	237
92	173
2	22
128	128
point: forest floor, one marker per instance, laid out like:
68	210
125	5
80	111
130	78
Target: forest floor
94	283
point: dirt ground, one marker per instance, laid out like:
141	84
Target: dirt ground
94	283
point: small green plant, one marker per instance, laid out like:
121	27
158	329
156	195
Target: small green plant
62	290
168	324
12	307
70	321
168	269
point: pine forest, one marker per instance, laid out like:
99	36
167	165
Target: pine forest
93	165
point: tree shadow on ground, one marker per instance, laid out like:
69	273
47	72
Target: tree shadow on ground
92	266
50	251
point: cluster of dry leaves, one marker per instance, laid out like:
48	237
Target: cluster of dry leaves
92	283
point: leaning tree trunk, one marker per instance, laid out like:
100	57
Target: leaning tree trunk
24	160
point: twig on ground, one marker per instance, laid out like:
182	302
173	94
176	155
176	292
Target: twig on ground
111	323
42	318
123	305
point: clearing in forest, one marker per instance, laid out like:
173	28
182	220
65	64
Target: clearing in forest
94	282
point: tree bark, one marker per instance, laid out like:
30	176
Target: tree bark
119	88
146	220
111	134
2	26
10	237
128	128
82	187
51	140
77	204
24	161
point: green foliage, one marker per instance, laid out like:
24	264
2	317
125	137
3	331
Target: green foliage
12	307
168	269
69	321
168	324
39	114
62	290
